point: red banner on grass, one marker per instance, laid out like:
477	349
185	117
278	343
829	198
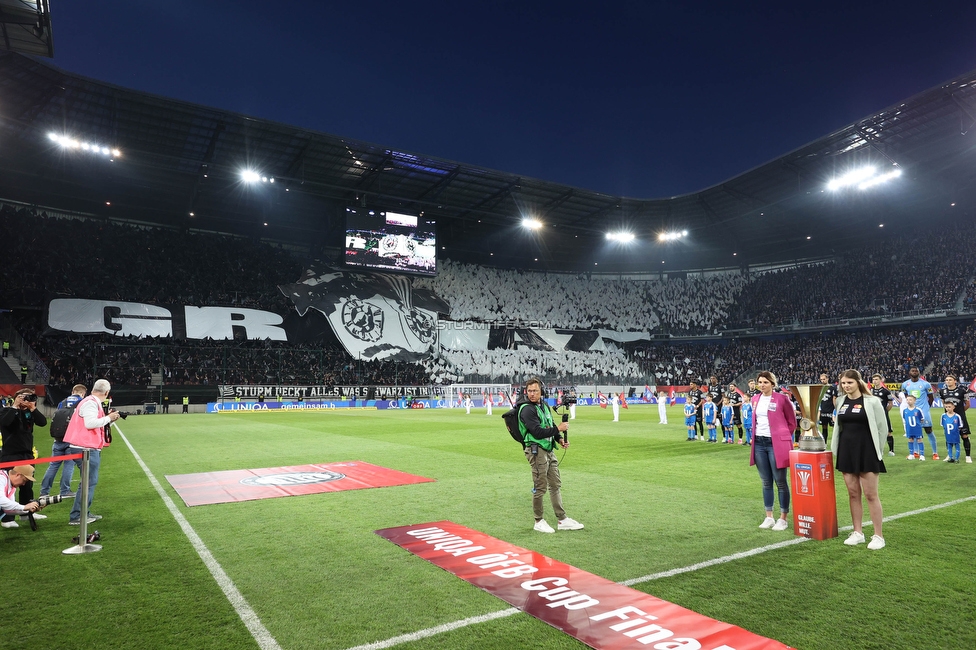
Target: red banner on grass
271	482
600	613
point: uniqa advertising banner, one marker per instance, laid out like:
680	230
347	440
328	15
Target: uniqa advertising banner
594	610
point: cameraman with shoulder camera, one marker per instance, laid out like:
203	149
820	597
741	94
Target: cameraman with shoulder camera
86	430
17	427
540	435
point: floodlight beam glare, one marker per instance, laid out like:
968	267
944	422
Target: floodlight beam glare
70	143
863	178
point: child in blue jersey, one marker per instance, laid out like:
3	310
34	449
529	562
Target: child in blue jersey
727	414
747	420
690	419
922	391
951	424
913	429
708	417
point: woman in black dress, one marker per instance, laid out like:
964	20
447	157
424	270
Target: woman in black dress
860	432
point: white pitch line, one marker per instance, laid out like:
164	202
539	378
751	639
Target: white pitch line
247	615
431	631
502	613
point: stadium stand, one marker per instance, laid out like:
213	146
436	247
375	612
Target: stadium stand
161	266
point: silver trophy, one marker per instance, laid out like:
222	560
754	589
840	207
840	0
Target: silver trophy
808	396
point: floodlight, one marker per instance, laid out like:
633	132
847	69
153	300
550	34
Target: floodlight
250	176
70	143
852	177
622	236
531	224
671	236
882	178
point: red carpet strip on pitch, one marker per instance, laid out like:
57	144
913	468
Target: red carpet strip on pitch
270	482
600	613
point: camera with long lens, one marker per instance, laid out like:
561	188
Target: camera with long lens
29	397
43	501
122	414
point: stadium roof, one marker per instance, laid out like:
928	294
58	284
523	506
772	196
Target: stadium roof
180	164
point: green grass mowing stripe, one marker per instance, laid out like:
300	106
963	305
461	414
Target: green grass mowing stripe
250	619
318	577
450	627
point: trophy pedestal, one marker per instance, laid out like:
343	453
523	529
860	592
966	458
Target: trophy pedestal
814	501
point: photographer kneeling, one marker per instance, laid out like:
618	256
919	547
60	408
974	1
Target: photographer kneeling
10	480
86	430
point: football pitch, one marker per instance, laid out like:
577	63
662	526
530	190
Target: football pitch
676	519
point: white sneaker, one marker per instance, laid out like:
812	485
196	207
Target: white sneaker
946	459
37	515
877	541
10	524
891	453
854	538
569	524
921	457
780	524
768	522
543	527
911	456
969	459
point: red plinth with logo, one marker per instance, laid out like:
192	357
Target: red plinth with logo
814	500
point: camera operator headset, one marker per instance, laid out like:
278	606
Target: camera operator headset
540	434
535	392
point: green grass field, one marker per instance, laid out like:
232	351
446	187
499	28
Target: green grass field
317	576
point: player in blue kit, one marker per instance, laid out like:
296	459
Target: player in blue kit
690	418
951	424
708	417
728	414
913	429
922	391
747	420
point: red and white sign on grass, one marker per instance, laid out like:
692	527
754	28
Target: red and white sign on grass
600	613
270	482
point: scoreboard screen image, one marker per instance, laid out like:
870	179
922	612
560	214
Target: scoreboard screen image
390	241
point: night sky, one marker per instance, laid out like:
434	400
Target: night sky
640	99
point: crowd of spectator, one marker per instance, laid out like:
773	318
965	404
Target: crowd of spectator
676	305
516	366
912	272
105	260
74	358
898	274
99	259
891	351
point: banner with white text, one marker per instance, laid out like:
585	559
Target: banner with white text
600	613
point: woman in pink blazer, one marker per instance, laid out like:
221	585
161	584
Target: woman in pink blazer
773	422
